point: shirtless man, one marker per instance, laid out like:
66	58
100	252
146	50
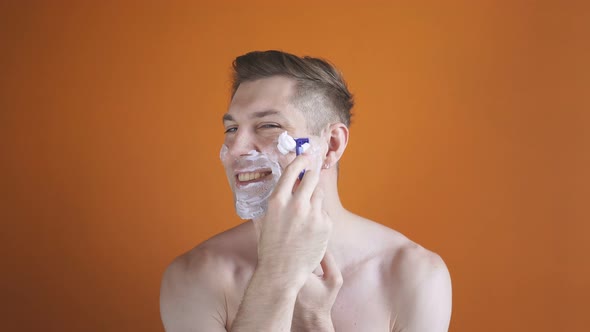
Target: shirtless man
303	262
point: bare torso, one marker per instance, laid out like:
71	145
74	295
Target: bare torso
373	260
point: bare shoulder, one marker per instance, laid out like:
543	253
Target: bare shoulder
407	261
195	284
418	282
413	264
216	255
223	250
424	292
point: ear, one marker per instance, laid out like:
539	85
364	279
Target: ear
338	139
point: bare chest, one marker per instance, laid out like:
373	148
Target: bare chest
363	303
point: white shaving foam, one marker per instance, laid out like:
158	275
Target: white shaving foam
251	200
286	143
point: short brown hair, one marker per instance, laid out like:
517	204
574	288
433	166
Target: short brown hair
319	85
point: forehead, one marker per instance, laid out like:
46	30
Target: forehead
272	93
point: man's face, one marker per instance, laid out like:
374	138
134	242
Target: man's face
259	112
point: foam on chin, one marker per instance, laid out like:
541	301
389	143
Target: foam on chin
251	200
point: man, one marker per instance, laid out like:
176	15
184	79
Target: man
303	262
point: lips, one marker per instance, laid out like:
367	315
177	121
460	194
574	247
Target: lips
252	176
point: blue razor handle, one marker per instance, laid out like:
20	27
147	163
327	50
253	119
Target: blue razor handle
299	150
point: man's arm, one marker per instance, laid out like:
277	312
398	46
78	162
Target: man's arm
293	239
191	295
426	305
313	309
267	304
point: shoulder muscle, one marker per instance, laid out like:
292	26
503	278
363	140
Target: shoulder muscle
425	294
191	294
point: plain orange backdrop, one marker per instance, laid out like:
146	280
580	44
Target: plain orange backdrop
471	135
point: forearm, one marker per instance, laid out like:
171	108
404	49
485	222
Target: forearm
267	305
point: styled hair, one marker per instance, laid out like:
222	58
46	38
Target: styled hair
320	91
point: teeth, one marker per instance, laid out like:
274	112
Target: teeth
251	176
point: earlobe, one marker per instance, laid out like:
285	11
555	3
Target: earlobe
338	139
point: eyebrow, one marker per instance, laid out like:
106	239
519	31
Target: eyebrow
255	115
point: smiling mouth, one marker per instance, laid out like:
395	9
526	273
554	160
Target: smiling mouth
252	176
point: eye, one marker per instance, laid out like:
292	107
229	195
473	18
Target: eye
231	130
270	126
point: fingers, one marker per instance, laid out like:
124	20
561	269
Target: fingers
310	180
332	273
287	180
311	165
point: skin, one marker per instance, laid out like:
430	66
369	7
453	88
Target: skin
308	264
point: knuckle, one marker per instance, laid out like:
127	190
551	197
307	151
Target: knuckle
299	205
276	201
296	205
292	164
295	165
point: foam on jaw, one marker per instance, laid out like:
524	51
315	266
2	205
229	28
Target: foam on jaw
251	200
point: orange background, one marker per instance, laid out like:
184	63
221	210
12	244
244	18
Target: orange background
471	135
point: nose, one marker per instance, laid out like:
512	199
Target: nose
241	143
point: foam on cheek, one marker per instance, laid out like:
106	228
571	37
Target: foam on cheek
316	147
224	156
223	152
253	154
286	143
251	200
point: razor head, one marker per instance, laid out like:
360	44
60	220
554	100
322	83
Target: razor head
299	150
299	143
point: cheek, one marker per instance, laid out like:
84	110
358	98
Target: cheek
275	155
224	154
226	159
269	144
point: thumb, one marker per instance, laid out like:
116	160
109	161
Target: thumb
332	273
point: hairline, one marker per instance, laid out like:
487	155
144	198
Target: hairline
299	96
